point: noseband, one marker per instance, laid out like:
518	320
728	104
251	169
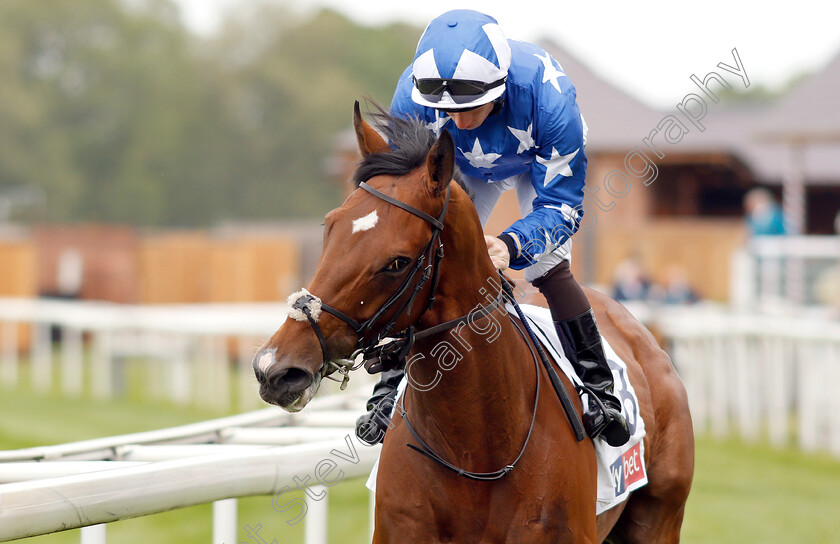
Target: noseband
376	351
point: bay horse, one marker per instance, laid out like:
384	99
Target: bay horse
478	403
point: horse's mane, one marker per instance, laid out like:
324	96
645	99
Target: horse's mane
410	141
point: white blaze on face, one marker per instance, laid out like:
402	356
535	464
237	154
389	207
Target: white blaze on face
365	223
266	359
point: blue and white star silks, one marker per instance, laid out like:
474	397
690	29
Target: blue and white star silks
525	137
537	132
437	124
478	158
550	73
557	165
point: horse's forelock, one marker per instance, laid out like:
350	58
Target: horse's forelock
410	140
410	143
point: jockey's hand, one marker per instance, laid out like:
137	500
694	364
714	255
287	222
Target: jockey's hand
498	251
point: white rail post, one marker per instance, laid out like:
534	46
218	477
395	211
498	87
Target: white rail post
775	357
688	360
71	361
315	531
101	365
9	353
717	372
224	521
93	534
742	279
771	278
41	364
248	389
211	366
747	385
834	409
807	396
824	404
180	373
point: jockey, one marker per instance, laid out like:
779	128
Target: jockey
516	125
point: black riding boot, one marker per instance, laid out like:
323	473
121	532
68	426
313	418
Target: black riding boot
602	419
371	427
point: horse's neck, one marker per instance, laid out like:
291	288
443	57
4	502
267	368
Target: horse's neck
471	392
471	388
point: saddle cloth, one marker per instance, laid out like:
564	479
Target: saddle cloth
620	469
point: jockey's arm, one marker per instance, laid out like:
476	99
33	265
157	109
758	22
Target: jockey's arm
558	173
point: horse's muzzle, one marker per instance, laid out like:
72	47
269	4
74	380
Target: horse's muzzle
282	385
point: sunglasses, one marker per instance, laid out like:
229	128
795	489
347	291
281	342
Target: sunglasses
462	110
461	90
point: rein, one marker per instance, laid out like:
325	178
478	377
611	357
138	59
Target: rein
424	449
538	354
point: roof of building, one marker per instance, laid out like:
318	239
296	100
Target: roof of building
616	120
756	134
809	112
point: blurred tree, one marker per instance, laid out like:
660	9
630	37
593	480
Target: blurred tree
758	94
31	155
117	113
294	84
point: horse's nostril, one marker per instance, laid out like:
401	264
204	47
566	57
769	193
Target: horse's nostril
292	380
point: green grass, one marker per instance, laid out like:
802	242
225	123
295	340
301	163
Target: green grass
742	493
754	493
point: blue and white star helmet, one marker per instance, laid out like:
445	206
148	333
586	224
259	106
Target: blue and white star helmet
462	61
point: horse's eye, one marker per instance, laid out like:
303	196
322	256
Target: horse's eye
398	264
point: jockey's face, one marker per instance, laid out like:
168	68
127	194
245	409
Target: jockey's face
471	119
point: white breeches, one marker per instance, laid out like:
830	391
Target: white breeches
487	194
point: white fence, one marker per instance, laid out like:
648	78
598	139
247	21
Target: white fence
759	375
90	483
798	269
746	372
187	348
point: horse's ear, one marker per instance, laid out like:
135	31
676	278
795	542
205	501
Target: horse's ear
369	140
441	162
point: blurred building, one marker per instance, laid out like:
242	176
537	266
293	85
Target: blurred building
121	264
664	187
680	202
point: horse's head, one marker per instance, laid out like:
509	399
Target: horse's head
379	263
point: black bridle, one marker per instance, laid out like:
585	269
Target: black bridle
377	353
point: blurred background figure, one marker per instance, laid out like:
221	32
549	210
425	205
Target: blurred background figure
71	267
677	288
630	282
763	214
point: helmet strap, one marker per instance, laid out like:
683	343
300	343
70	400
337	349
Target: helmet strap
498	104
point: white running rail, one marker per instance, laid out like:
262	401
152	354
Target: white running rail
90	483
759	375
188	349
